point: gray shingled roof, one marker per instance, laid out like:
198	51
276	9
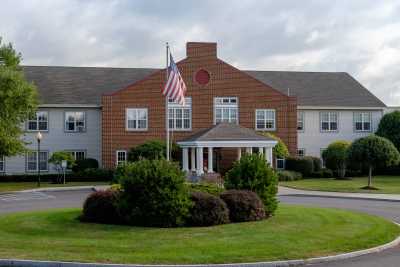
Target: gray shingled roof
81	85
320	88
86	85
227	132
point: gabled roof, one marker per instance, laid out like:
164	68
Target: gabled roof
86	85
320	88
227	132
81	85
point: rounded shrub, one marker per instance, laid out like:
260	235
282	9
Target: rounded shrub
317	163
252	173
323	173
101	207
304	165
83	164
153	149
210	188
335	157
153	193
289	176
243	205
207	210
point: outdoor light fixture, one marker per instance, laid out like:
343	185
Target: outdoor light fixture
38	138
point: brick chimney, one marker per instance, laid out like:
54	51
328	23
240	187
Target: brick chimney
200	49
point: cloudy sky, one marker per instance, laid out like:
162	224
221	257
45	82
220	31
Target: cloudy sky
361	37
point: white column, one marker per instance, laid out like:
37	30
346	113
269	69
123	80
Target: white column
261	151
185	159
210	160
199	163
193	159
249	150
268	155
239	153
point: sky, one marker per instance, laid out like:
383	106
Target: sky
361	37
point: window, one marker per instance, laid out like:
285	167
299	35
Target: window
362	121
121	156
265	119
280	164
2	164
136	119
75	121
180	117
33	163
301	152
39	122
329	121
300	121
225	109
322	159
79	154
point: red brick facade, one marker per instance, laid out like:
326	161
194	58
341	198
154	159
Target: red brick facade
225	80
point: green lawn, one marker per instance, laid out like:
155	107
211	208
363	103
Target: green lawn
385	184
10	186
295	232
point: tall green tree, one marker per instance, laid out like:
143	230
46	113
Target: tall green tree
335	157
18	101
389	127
373	151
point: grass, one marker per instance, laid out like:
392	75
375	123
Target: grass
382	184
17	186
295	232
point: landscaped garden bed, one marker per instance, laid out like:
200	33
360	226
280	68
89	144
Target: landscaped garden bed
384	184
293	232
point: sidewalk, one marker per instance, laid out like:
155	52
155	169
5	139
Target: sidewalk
69	188
285	191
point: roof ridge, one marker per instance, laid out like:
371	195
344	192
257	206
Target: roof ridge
88	67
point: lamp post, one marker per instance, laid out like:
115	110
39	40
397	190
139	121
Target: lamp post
38	138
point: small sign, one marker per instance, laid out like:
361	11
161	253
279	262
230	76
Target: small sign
64	164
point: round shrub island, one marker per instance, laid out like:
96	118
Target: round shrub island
207	210
101	207
244	205
153	194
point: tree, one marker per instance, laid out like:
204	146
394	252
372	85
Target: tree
335	157
280	150
57	158
373	151
153	149
18	101
389	127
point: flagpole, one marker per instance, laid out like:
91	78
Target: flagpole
166	106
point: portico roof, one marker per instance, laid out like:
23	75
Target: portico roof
228	135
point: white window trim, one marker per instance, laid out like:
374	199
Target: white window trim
37	122
362	121
137	124
264	129
117	162
303	121
188	105
227	105
73	152
37	161
3	159
76	128
329	122
304	152
276	163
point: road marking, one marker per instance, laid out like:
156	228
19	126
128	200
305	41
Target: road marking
24	196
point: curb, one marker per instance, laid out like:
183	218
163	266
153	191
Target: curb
342	197
32	263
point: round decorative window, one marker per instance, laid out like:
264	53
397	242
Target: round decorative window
202	77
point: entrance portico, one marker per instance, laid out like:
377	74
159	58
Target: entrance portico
223	135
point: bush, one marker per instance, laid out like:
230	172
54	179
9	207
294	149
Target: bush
210	188
153	193
252	173
289	176
303	165
153	149
280	150
101	207
317	163
323	173
95	174
335	157
207	210
243	205
83	164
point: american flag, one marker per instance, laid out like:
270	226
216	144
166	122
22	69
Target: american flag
175	87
